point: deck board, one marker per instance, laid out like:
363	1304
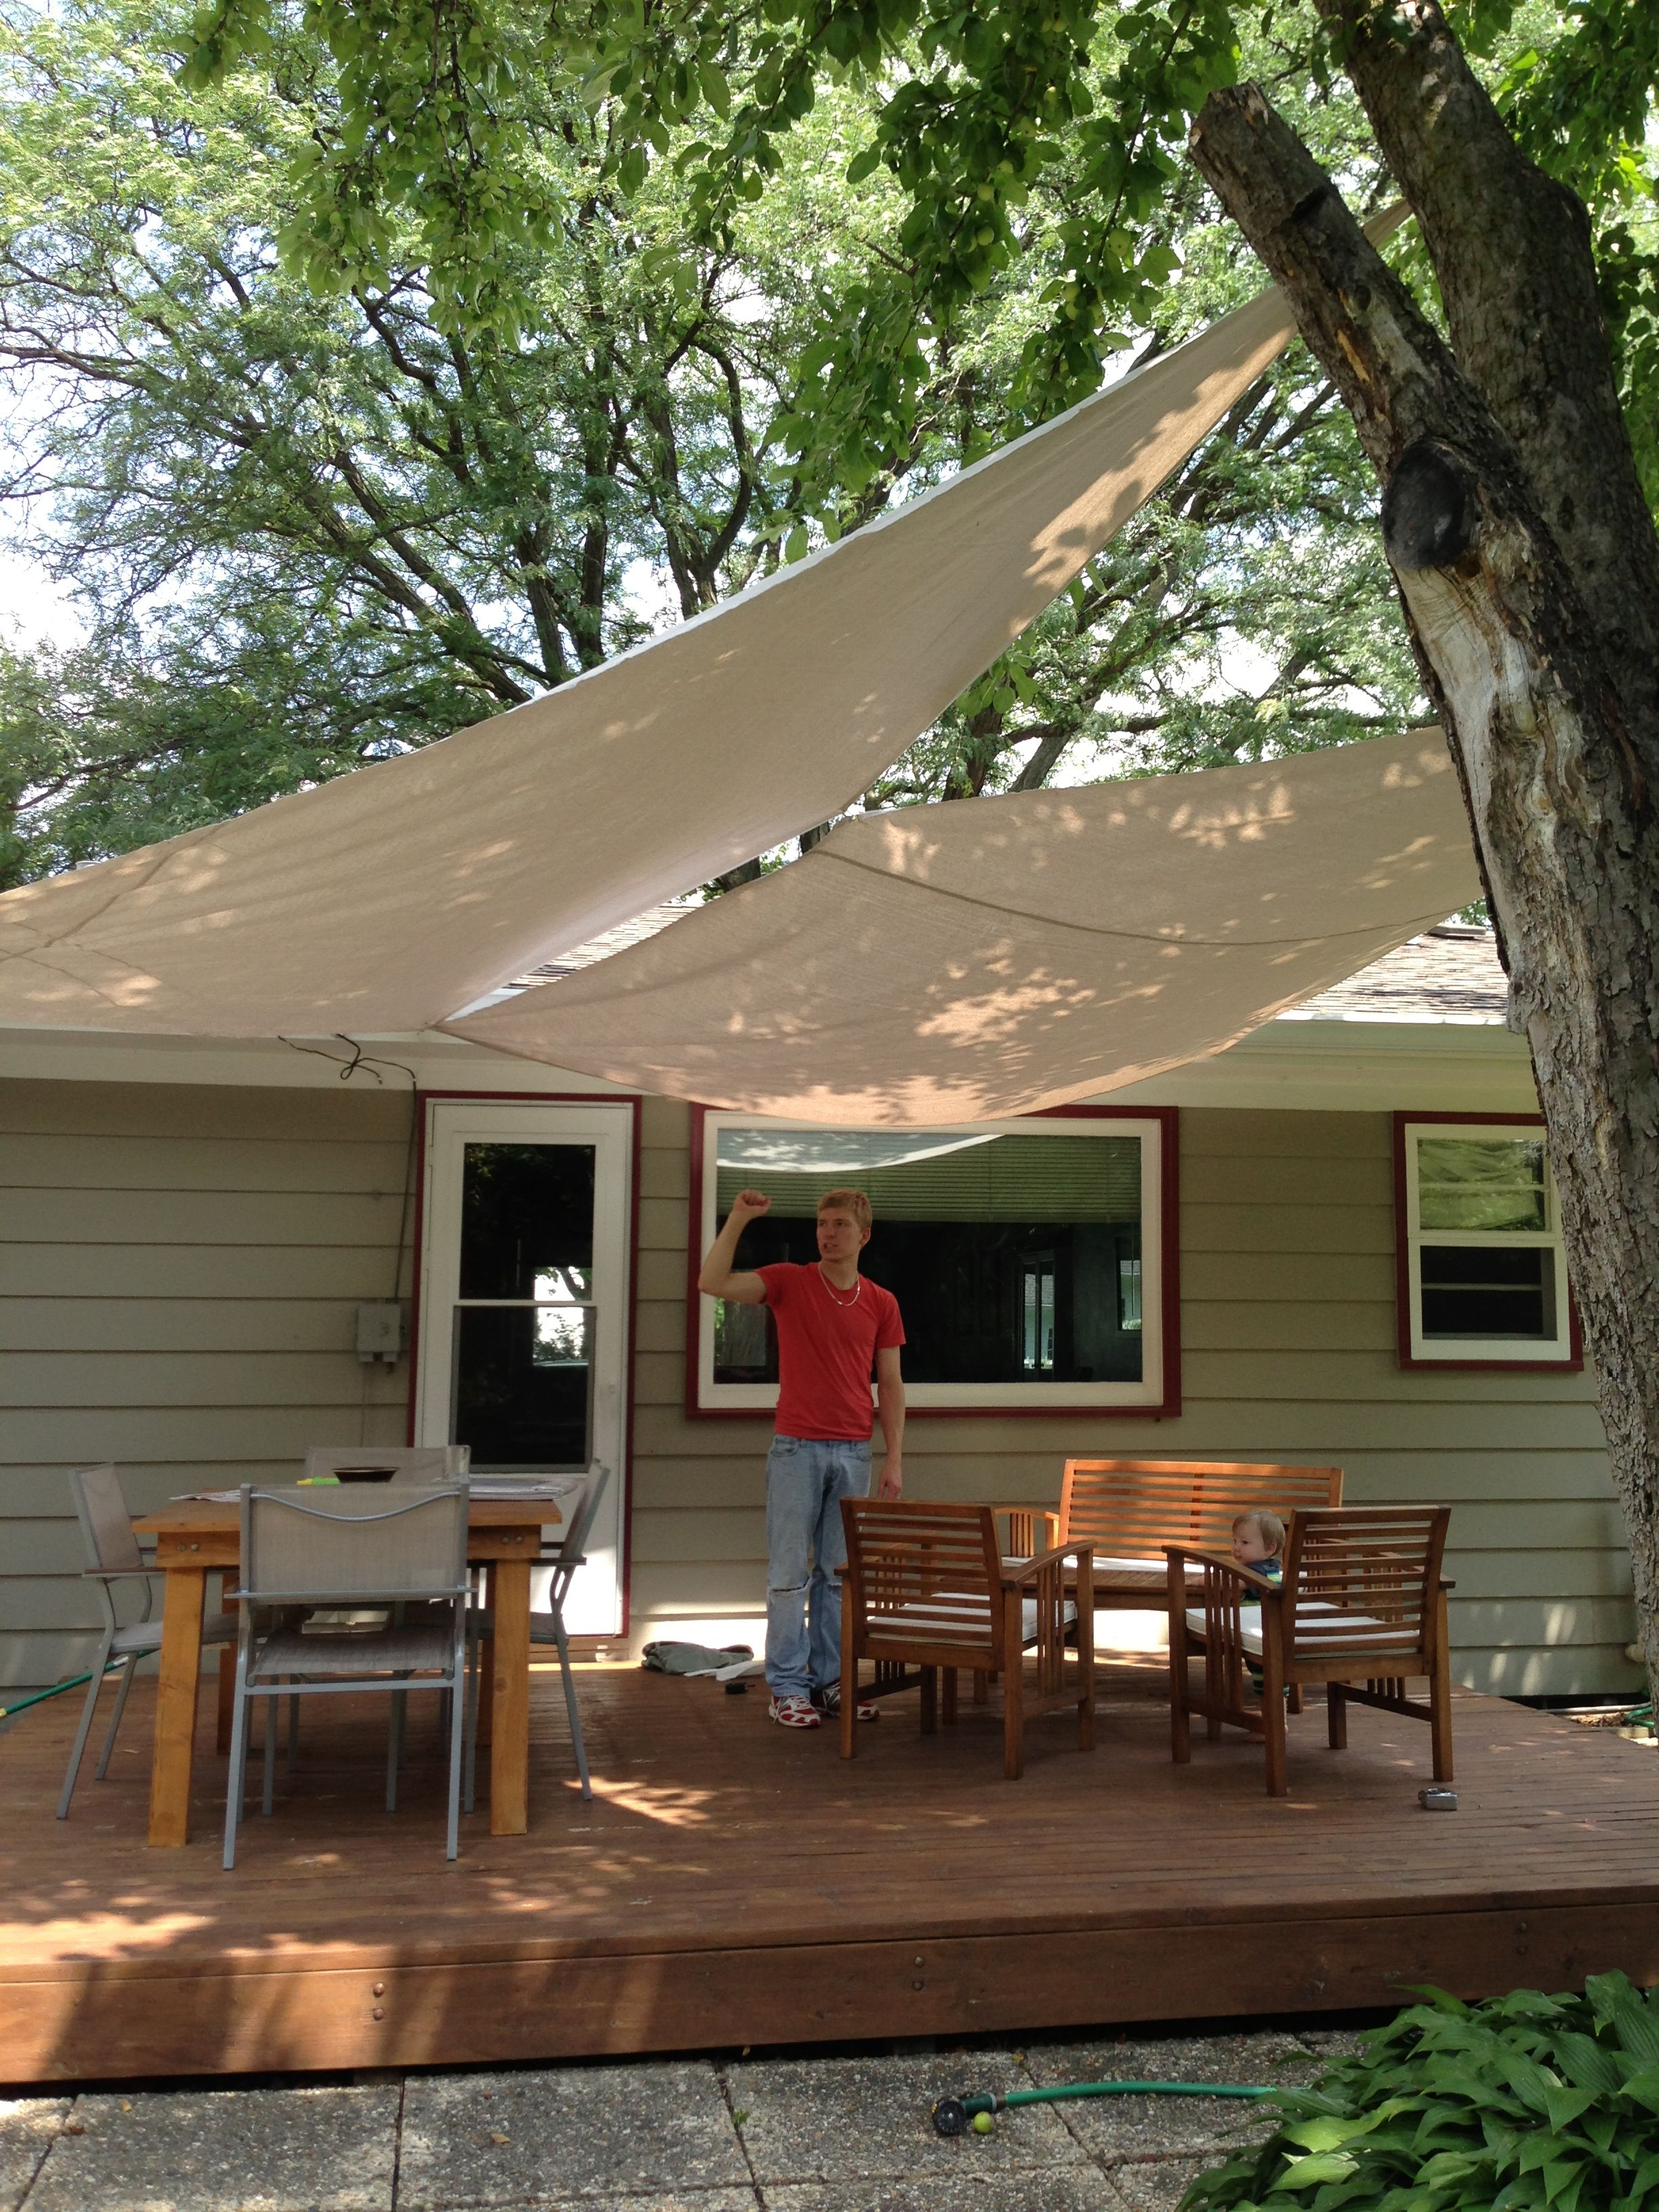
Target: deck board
732	1883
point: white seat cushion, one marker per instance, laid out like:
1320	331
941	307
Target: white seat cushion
1390	1635
950	1615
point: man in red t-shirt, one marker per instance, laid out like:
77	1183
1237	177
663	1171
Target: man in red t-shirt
832	1324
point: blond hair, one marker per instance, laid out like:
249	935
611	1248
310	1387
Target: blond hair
1271	1526
849	1201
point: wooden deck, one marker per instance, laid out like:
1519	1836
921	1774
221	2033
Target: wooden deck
733	1883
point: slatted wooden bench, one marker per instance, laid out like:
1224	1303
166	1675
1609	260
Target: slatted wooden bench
1128	1510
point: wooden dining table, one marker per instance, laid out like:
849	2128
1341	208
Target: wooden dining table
196	1538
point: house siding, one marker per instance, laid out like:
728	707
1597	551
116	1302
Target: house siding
180	1270
179	1266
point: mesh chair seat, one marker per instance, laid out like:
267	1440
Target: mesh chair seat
142	1636
420	1648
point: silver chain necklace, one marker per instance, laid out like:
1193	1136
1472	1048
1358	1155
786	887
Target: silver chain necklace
842	1302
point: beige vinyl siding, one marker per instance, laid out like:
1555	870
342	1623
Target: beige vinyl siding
179	1266
1288	1326
179	1269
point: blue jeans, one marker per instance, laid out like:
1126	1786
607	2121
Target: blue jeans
806	1481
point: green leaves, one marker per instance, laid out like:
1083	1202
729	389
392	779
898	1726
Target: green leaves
1528	2104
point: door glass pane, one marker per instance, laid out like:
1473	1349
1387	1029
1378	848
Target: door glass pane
1014	1259
523	1385
527	1221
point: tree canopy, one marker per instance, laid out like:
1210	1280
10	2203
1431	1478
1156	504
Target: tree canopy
375	368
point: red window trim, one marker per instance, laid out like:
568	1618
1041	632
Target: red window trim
1402	1267
635	1104
1169	1407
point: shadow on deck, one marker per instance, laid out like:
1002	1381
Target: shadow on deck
735	1883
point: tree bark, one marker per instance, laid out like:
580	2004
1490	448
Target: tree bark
1525	646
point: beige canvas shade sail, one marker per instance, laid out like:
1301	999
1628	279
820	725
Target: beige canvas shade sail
993	956
403	892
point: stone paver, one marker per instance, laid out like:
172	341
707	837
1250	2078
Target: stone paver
1051	2189
1126	2127
28	2126
869	2118
225	2150
544	2135
1154	2184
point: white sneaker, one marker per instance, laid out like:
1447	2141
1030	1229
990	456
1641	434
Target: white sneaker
796	1712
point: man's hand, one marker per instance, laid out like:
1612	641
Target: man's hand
892	1479
749	1206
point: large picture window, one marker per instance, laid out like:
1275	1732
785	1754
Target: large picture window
1483	1278
1027	1257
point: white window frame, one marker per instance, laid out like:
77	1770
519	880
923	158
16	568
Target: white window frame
598	1598
1421	1350
1148	1394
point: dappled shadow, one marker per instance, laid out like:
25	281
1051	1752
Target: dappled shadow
730	1881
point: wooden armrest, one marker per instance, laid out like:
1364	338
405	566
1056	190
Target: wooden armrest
1248	1576
1082	1554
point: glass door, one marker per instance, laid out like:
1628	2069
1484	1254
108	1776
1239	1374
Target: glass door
524	1321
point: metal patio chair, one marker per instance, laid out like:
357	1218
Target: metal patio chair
357	1548
564	1556
106	1532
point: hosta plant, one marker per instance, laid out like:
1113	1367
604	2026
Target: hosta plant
1527	2101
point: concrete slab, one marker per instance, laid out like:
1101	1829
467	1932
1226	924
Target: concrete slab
551	2133
225	2150
1154	2184
1052	2189
869	2118
29	2127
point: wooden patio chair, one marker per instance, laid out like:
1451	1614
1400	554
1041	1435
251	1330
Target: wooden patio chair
1362	1608
927	1587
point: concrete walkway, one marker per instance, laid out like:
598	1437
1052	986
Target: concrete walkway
829	2134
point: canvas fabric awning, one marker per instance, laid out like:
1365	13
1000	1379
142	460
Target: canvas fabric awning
997	955
408	889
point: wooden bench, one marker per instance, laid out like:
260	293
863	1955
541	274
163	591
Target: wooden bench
1128	1510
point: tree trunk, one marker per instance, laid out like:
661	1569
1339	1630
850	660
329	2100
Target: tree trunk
1529	584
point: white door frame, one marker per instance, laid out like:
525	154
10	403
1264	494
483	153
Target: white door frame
598	1600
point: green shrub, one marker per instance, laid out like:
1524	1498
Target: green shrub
1529	2101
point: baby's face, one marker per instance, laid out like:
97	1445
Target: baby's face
1249	1545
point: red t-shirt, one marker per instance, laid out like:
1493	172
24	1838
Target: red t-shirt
826	1349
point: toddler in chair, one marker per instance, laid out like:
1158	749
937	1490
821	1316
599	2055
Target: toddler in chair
1259	1544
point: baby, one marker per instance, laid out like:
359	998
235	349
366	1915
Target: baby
1259	1542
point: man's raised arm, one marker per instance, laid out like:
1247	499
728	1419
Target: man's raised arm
715	1277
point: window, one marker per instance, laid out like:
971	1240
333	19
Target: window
1026	1255
1483	1278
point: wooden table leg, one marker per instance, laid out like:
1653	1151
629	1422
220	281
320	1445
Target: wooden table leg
176	1691
510	1750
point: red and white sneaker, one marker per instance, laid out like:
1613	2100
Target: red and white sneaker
827	1701
796	1712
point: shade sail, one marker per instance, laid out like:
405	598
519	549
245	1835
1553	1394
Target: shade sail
996	956
406	891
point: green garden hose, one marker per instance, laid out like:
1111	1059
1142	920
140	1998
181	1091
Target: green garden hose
954	2116
56	1690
